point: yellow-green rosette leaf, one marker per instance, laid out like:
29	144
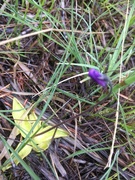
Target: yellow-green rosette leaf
32	119
25	120
25	151
42	141
41	147
18	111
47	136
25	128
20	117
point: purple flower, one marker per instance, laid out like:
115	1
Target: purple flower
98	77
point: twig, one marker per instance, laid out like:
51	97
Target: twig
45	31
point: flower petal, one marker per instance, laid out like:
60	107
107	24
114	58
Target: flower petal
98	77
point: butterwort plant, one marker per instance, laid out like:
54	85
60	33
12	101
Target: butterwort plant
99	78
